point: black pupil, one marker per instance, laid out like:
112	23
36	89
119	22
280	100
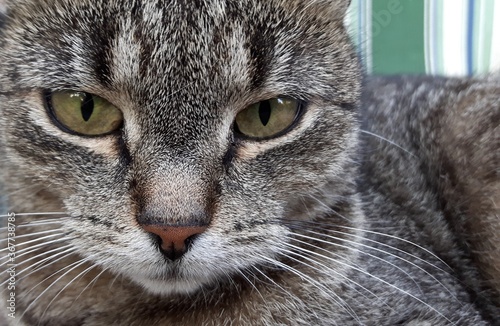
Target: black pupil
87	107
265	112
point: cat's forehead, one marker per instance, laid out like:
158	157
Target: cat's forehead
174	44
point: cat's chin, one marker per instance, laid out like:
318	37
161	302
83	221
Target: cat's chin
170	287
172	281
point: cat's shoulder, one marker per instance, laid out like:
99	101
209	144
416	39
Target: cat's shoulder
444	141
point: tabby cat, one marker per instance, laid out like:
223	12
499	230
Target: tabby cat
210	163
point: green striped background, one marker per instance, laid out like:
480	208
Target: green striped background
446	37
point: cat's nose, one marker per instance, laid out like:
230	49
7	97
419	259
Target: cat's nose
175	240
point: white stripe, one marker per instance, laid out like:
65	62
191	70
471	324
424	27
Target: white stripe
482	41
455	37
368	36
495	40
429	35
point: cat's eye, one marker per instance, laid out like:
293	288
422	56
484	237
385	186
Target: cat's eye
84	113
269	118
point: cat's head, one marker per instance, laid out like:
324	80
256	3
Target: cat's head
178	136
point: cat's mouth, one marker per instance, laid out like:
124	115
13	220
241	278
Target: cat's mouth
172	274
166	277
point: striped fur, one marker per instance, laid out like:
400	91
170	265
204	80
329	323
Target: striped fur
300	230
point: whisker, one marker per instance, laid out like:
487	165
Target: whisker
87	286
21	252
81	274
354	249
71	267
341	301
233	283
32	234
326	206
329	225
68	253
32	214
305	205
113	281
376	257
55	273
374	277
55	252
330	270
252	284
328	292
11	246
37	221
274	283
385	245
56	220
26	188
388	141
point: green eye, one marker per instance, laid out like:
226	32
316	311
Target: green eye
84	113
267	118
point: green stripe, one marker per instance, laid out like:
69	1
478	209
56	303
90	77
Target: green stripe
398	36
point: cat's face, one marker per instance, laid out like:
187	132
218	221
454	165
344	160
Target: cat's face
179	74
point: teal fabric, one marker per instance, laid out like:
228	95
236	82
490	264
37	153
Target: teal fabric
443	37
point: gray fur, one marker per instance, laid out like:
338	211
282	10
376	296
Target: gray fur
310	228
450	171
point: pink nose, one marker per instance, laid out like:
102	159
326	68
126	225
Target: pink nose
174	239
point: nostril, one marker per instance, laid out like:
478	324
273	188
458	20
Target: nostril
171	252
174	240
189	241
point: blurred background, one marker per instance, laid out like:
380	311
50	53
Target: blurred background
440	37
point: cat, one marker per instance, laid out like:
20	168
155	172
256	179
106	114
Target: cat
211	163
451	133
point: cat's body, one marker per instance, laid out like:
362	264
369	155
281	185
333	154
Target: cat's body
449	130
318	225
